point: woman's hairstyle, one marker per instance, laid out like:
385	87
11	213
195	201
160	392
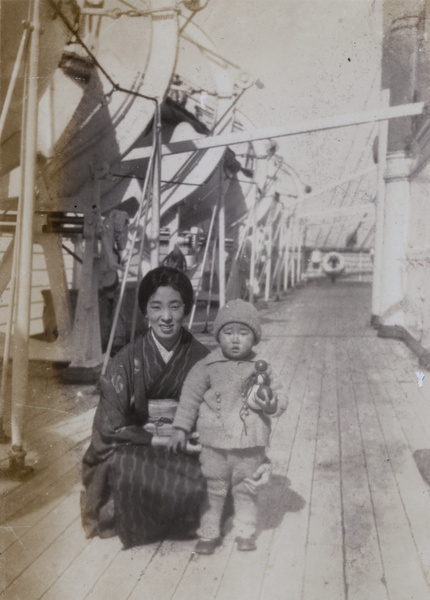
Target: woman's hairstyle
168	277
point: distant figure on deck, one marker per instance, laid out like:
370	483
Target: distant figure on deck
224	395
333	265
316	259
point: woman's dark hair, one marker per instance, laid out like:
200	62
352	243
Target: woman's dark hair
165	276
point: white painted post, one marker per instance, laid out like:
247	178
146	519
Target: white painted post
293	251
379	217
281	250
221	242
299	250
287	243
268	278
253	244
156	191
395	240
22	321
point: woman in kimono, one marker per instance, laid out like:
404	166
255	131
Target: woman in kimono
134	487
125	467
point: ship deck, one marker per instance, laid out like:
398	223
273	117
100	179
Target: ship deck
345	517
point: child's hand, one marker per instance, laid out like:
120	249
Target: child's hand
259	479
263	398
267	401
177	441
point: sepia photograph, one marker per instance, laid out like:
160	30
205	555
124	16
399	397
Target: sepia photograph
215	299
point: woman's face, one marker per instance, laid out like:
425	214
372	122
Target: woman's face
165	312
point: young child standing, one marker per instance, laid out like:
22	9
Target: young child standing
223	396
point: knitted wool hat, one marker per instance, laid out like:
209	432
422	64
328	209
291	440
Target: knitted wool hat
238	311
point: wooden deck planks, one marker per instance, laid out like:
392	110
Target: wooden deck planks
35	540
37	507
324	559
203	575
285	570
402	568
345	517
49	565
85	568
363	567
123	571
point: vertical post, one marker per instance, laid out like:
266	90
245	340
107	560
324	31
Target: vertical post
221	242
156	190
199	283
86	337
281	251
293	251
9	327
268	279
287	254
22	322
394	282
211	280
13	78
253	244
299	250
379	217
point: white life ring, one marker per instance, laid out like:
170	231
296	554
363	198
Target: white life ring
333	263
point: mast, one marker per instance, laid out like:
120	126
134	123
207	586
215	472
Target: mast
25	251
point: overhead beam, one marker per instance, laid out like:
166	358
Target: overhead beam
230	139
344	211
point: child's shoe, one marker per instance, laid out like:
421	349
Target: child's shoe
246	544
207	546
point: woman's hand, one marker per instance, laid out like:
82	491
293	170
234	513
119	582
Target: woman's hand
177	441
259	479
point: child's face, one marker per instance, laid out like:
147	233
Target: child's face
236	340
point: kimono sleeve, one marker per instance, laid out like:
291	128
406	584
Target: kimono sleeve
114	421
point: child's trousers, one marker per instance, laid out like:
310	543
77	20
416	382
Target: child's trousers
222	468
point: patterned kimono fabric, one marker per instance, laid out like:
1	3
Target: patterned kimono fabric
131	489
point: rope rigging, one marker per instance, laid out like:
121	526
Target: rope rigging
116	87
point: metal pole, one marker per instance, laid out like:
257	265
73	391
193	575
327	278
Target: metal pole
22	323
13	77
138	277
211	280
299	250
127	267
9	325
268	264
253	244
380	210
221	242
214	210
280	260
156	190
322	124
293	251
287	254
